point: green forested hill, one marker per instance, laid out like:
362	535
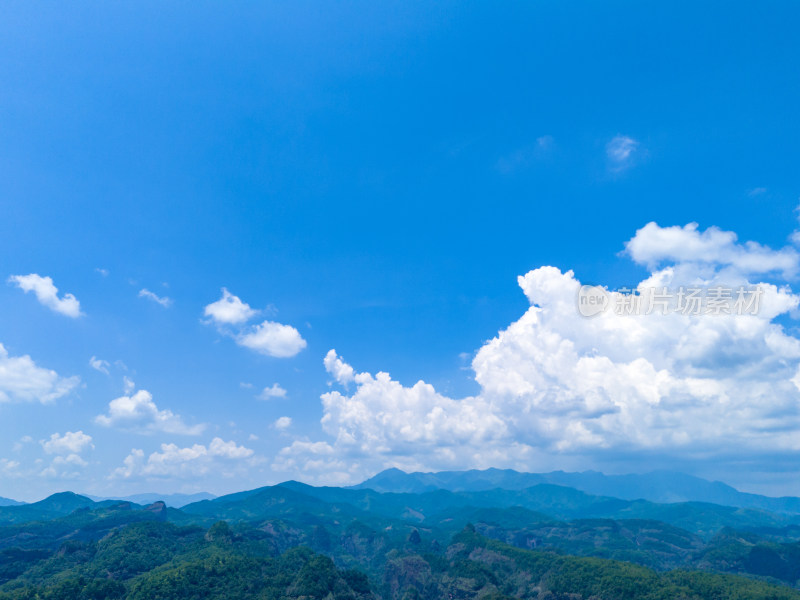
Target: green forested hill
51	507
156	560
296	541
555	501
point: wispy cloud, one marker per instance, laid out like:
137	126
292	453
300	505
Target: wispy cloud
524	157
621	152
99	364
163	301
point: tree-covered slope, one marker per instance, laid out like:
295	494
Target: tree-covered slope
555	501
394	539
158	560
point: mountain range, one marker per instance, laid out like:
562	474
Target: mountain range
663	487
656	486
475	540
172	500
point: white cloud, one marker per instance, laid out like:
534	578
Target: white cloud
72	442
621	151
163	301
99	365
282	423
558	390
139	413
103	272
274	391
22	380
175	462
341	371
47	294
712	250
9	468
65	466
217	447
19	445
318	462
794	237
229	310
69	460
268	338
273	339
128	385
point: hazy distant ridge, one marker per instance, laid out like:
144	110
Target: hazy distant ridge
657	486
172	500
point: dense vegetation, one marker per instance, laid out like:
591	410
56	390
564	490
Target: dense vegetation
293	541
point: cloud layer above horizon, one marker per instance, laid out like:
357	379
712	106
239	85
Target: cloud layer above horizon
555	389
557	384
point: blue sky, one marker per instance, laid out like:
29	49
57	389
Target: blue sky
375	176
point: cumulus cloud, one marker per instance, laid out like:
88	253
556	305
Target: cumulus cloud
47	294
229	310
318	461
163	301
282	423
72	442
712	249
137	412
273	391
68	449
268	338
556	387
272	339
341	371
69	466
176	462
621	152
22	380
